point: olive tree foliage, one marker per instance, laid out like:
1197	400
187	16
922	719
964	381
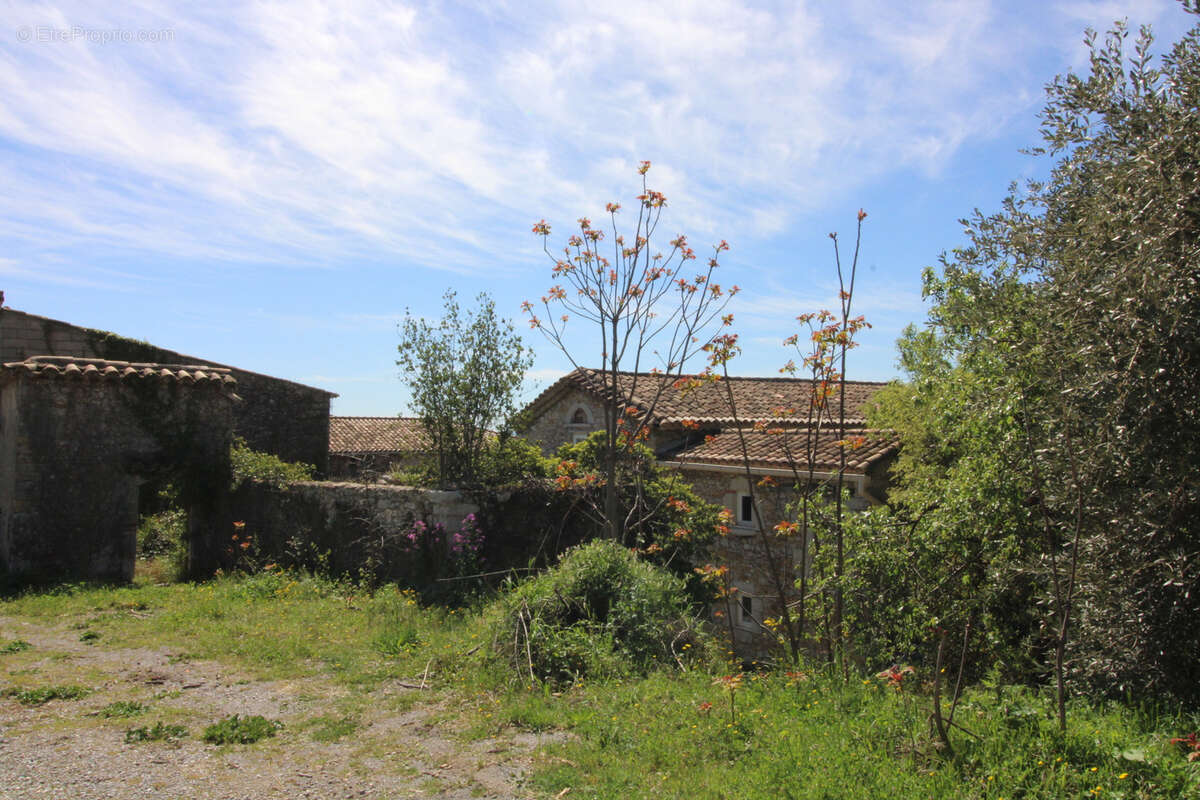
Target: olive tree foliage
464	374
649	311
1050	426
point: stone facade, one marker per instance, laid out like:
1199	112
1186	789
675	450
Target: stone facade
78	438
570	418
274	415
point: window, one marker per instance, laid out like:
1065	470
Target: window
580	417
578	436
746	609
745	510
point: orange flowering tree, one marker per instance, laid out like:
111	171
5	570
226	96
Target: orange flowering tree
829	336
653	308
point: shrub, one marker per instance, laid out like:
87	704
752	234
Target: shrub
14	646
252	465
601	612
241	730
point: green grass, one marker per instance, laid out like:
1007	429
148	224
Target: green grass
158	732
330	728
124	709
667	735
14	646
44	694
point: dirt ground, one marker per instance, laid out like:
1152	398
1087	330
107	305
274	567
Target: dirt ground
402	742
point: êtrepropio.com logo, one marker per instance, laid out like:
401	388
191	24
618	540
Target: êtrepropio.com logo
51	34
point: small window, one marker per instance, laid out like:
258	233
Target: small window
578	436
745	510
746	606
580	417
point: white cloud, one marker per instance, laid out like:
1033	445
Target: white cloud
302	133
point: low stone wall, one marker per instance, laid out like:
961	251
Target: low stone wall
342	527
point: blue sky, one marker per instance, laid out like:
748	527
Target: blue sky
272	185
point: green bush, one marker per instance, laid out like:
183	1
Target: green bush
252	465
601	612
511	459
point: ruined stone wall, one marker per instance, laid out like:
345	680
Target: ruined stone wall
275	415
74	452
346	525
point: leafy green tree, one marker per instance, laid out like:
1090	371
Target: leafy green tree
1051	431
464	374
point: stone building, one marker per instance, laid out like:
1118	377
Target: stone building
79	437
724	450
274	415
362	446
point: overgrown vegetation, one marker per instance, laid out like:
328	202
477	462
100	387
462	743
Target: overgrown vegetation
158	732
808	733
1050	433
662	516
241	730
251	464
601	613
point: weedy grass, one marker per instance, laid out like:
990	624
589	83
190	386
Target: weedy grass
158	732
14	646
241	730
123	709
700	732
820	737
44	694
330	728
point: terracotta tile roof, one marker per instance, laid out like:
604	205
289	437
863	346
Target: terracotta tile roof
71	367
781	449
756	399
376	435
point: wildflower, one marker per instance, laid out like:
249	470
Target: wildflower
895	675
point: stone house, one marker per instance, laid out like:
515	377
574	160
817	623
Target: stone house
721	448
359	446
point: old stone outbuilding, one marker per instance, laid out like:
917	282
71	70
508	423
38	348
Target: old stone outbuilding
79	436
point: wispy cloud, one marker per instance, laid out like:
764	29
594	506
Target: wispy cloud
308	134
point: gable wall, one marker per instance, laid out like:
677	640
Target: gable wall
552	428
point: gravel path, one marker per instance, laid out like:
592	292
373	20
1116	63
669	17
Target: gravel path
402	747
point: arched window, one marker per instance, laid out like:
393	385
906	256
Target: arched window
580	417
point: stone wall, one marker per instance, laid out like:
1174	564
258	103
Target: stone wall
74	452
275	415
344	526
